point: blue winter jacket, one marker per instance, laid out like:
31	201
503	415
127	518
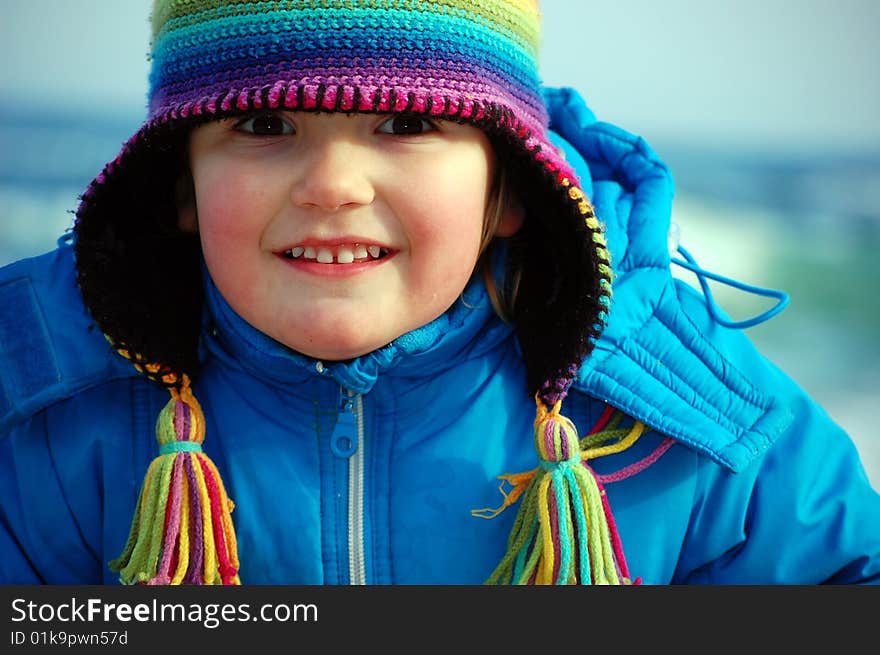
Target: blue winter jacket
367	472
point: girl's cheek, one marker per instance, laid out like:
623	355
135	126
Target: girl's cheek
219	202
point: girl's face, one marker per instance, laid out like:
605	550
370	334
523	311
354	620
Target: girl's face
334	234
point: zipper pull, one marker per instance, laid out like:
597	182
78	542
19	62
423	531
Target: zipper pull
345	445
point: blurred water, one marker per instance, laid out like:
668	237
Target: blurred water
809	225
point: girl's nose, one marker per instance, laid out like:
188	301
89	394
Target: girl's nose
333	174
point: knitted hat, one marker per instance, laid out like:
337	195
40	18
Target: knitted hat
471	61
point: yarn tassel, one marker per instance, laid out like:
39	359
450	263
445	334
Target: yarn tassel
182	531
564	532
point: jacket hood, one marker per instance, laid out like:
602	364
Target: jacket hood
661	358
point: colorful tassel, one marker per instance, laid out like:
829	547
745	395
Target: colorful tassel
182	531
564	532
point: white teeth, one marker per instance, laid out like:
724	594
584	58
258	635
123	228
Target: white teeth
344	256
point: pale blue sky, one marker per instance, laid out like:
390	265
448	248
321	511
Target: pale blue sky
799	73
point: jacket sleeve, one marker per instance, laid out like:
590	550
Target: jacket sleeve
65	412
803	513
41	541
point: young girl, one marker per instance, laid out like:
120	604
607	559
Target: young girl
372	262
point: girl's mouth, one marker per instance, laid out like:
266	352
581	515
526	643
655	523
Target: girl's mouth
337	254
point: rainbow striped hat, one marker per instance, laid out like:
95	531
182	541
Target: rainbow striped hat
472	61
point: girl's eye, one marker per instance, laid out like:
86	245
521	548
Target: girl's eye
406	124
265	125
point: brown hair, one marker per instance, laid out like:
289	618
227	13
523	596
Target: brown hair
502	297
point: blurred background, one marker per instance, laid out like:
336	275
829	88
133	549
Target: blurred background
767	112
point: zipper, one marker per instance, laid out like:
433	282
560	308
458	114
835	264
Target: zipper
357	574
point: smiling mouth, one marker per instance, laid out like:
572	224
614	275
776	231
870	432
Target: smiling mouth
343	254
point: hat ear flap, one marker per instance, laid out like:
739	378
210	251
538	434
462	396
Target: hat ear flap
564	286
133	259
